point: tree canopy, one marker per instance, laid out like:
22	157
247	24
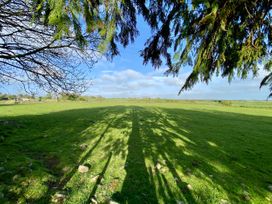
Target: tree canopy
229	38
214	37
31	52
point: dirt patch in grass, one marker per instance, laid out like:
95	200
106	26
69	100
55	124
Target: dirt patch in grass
51	162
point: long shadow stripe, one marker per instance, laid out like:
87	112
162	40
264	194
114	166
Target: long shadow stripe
65	180
98	181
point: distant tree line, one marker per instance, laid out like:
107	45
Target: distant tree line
7	97
49	96
4	96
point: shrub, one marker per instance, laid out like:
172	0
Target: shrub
226	103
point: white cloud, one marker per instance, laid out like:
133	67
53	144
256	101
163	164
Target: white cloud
131	83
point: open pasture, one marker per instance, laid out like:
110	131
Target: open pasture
136	151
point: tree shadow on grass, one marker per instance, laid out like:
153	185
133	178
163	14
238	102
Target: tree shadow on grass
61	183
219	149
197	157
173	155
68	176
137	187
47	147
98	181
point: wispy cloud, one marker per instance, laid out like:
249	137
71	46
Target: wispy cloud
131	83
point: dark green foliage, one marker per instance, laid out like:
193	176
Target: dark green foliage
228	38
213	37
110	20
225	103
267	81
70	96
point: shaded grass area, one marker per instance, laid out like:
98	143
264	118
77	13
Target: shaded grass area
136	154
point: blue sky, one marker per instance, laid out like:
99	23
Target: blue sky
126	76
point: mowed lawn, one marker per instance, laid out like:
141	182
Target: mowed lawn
137	151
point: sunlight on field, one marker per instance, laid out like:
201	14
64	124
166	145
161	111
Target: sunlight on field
136	151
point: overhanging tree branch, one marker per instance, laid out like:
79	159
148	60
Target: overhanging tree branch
30	52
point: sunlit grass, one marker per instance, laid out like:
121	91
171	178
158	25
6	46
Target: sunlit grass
137	152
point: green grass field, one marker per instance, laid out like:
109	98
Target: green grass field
137	151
